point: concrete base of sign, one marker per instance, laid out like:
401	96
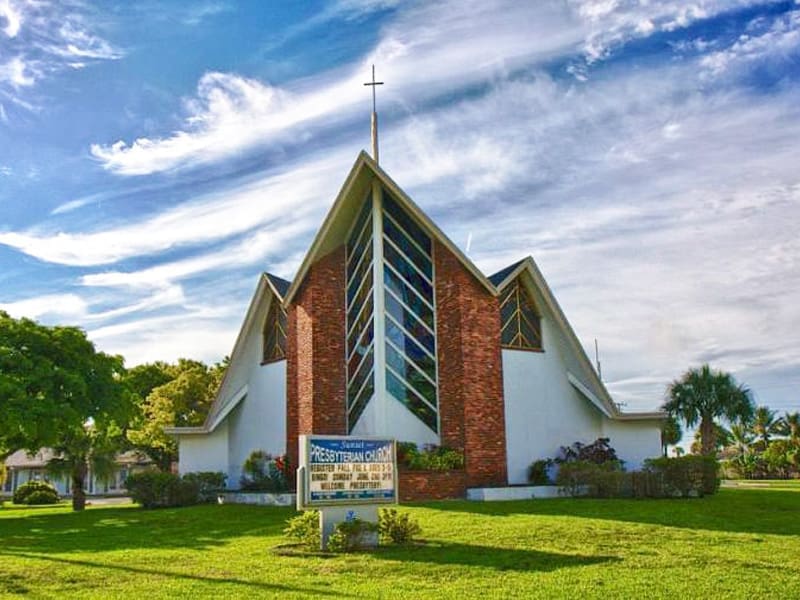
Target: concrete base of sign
523	492
331	516
260	498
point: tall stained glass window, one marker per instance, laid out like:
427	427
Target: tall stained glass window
360	316
409	322
274	333
522	328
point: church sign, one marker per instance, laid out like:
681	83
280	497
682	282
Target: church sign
339	470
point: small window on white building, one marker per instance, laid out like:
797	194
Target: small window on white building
275	333
521	326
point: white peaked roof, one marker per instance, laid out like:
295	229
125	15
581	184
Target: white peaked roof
332	234
585	379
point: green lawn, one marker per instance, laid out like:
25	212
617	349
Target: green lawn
742	543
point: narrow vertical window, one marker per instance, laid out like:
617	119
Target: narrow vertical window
360	326
275	333
522	328
409	314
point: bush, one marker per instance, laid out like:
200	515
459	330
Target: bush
429	458
209	484
42	491
42	497
598	452
351	536
585	478
304	528
539	472
686	476
153	489
397	528
264	473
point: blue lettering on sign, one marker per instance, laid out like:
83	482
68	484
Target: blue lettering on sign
342	470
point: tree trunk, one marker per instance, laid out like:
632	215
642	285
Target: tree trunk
708	437
78	493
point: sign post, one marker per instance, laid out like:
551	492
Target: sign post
346	478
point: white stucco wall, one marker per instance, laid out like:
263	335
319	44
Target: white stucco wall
258	422
634	441
207	452
543	410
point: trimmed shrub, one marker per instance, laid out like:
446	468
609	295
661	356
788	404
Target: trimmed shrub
397	528
153	489
43	492
304	528
539	472
585	478
262	472
209	484
686	476
429	458
41	497
351	536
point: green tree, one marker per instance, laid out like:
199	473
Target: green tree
671	433
703	396
55	389
182	398
765	424
790	427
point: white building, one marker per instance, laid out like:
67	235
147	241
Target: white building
388	329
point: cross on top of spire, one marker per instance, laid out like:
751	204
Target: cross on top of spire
373	83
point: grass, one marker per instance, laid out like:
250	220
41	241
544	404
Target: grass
741	543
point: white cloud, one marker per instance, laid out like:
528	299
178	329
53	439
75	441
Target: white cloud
217	216
43	39
16	73
231	113
12	18
780	41
51	306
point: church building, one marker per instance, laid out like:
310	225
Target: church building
389	330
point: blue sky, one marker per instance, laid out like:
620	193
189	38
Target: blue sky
156	156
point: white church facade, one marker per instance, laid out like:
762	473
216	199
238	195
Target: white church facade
388	329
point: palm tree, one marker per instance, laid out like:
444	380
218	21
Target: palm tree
671	433
790	427
765	424
704	395
79	452
741	438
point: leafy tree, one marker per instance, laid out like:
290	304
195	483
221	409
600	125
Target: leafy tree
180	396
671	433
58	391
703	396
765	424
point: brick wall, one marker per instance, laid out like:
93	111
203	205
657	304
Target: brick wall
471	405
315	348
419	486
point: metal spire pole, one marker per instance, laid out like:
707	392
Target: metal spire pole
374	121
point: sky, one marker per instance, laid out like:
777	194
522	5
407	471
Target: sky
156	157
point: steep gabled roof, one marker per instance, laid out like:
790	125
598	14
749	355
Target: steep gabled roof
343	212
226	399
586	380
279	286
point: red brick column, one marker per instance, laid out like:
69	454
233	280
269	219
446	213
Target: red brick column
471	406
316	372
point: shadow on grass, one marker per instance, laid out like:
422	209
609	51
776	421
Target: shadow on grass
105	529
273	587
764	511
500	559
